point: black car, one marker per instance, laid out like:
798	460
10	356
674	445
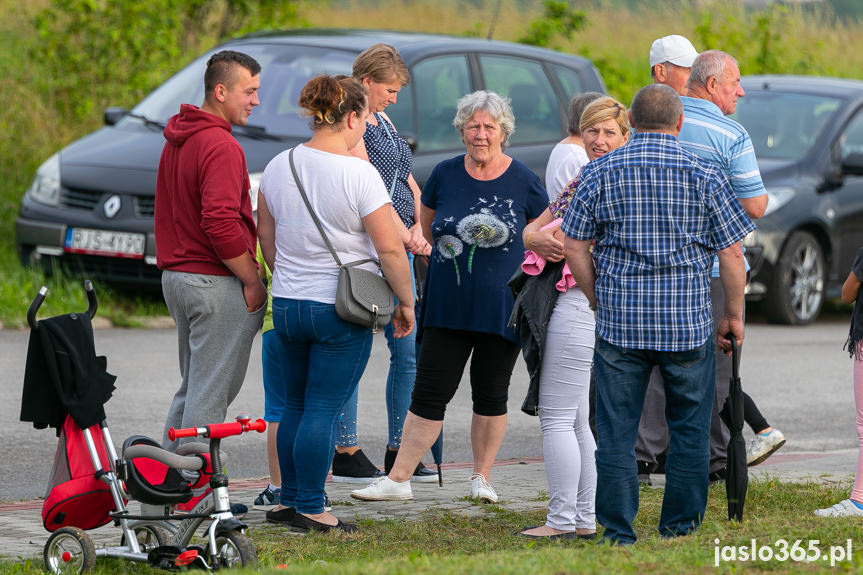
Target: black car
90	207
808	138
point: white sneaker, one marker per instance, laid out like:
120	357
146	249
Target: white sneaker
384	489
844	508
763	446
481	489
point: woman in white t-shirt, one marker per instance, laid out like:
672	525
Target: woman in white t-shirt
324	355
568	156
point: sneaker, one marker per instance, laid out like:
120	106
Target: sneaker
354	468
845	508
238	510
327	505
422	474
384	489
481	489
267	499
763	446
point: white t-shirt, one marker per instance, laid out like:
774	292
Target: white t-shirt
341	190
563	165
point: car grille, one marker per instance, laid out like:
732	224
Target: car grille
79	199
87	200
112	269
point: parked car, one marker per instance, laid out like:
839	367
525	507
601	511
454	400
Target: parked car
90	207
808	138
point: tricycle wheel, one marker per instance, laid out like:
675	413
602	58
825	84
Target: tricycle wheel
69	551
149	537
234	549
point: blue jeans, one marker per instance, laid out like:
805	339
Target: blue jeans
622	375
323	362
400	384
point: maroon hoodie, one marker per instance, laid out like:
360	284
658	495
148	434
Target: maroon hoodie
203	208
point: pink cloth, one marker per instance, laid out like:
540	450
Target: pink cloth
533	264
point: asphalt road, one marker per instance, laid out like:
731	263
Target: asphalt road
799	376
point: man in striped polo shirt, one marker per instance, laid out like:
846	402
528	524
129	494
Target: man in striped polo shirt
713	90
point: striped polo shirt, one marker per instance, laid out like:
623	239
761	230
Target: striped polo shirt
709	134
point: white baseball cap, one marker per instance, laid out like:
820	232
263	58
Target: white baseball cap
675	49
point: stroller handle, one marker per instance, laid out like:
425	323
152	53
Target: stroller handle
92	303
219	430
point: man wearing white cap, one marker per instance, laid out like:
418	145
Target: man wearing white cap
671	58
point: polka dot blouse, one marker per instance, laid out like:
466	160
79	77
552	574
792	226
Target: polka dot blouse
388	152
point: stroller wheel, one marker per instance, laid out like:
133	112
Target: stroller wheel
149	537
233	549
69	551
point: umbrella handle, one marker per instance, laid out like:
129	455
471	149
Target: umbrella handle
735	354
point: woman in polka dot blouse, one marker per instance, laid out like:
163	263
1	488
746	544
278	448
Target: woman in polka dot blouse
383	73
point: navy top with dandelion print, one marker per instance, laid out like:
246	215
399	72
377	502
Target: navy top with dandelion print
477	244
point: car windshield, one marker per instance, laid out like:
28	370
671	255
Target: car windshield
285	69
784	125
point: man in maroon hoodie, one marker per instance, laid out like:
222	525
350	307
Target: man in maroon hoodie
205	243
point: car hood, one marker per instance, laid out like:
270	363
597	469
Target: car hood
125	159
773	170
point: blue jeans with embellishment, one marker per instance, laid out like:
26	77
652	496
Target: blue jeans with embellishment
400	384
324	358
622	375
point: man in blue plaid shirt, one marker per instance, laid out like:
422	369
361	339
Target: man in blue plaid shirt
658	215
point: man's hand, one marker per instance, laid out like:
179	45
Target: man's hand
255	295
730	324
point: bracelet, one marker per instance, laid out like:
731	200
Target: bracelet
527	240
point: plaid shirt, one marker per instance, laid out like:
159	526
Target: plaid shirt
658	214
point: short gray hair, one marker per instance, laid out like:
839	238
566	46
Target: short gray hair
482	101
576	107
708	64
656	107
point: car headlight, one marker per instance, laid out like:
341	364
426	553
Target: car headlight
778	197
46	185
254	184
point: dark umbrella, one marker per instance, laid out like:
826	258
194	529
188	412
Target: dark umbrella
420	272
737	474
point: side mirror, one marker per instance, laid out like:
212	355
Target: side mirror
853	164
410	139
114	114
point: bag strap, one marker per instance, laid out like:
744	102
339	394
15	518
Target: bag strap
318	222
398	150
311	211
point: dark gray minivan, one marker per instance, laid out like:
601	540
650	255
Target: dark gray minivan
90	207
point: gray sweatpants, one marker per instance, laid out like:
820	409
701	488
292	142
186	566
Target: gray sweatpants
652	429
214	336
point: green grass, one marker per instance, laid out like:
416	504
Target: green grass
451	544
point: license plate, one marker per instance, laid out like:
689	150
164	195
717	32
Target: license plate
104	243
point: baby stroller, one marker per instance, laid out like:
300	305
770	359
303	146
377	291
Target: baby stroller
65	387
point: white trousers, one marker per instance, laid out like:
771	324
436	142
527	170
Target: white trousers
567	443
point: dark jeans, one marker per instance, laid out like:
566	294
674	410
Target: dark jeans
621	380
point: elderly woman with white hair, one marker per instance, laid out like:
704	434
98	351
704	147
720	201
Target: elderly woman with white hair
474	207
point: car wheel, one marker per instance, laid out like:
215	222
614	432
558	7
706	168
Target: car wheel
797	289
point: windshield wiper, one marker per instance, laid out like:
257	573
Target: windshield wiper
148	121
257	133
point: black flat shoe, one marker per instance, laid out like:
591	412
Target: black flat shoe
307	524
283	516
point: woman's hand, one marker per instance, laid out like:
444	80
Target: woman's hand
417	243
547	243
403	319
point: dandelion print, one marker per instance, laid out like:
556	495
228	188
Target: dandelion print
450	247
482	230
